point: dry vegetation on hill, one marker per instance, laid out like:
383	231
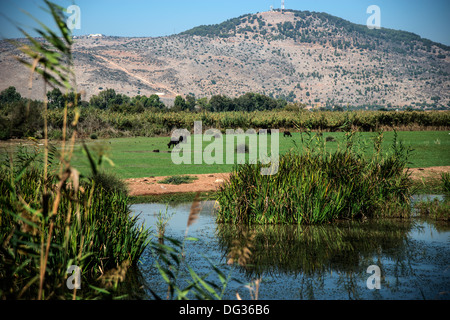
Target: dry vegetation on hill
312	58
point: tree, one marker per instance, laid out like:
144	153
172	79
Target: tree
10	95
58	100
179	103
436	99
220	103
108	98
55	99
155	102
190	102
203	103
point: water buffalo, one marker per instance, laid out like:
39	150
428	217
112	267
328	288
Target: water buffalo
175	142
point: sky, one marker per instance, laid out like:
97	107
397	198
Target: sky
150	18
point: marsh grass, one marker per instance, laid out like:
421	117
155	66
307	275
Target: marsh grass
445	181
317	186
434	209
91	229
161	223
51	216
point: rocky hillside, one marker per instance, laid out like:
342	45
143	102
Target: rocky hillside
314	58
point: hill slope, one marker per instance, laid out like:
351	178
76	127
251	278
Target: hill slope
314	58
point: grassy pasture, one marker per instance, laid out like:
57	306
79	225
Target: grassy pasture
134	157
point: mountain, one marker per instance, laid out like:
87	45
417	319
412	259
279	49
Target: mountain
310	57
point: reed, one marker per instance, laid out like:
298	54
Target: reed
434	209
92	229
445	179
51	217
316	186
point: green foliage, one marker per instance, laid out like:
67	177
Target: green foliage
50	218
18	121
247	102
445	178
91	229
177	180
434	209
56	99
107	99
109	182
21	119
9	95
180	103
318	186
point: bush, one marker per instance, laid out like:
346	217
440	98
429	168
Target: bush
178	180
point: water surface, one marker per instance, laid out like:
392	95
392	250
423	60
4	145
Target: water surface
312	262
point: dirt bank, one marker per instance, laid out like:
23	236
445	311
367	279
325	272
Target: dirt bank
150	186
210	182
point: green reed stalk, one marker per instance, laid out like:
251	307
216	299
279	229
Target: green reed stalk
316	186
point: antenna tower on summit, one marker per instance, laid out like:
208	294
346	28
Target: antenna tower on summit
282	5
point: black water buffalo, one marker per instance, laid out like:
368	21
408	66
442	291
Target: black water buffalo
175	142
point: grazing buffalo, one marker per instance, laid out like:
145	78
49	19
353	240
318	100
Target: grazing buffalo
287	134
175	142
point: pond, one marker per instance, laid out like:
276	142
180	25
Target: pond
326	262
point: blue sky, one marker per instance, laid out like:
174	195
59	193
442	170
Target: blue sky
160	18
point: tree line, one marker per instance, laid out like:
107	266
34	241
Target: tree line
109	99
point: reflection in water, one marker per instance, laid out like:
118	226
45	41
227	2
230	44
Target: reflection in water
316	249
314	253
318	262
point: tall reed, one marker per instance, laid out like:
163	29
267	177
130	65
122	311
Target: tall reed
51	217
316	186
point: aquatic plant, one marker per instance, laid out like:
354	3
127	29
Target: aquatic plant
52	218
445	178
316	186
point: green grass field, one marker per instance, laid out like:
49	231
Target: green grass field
134	157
